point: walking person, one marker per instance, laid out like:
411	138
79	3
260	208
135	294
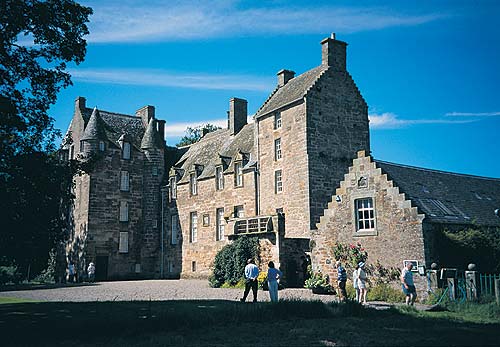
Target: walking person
251	274
91	272
355	282
362	283
341	279
408	285
273	275
71	272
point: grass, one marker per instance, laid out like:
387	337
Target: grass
227	323
14	300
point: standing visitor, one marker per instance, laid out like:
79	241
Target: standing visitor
71	272
251	274
341	279
408	285
273	275
91	272
362	282
355	282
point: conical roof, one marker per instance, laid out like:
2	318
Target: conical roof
94	129
150	138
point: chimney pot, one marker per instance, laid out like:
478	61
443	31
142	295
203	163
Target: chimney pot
237	115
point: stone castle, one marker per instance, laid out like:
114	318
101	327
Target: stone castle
299	177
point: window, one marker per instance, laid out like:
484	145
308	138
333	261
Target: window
193	184
126	150
155	224
193	227
219	233
102	146
239	212
206	220
82	145
173	188
72	152
154	171
277	149
365	214
123	211
277	120
193	266
123	244
219	178
175	229
238	174
124	181
278	182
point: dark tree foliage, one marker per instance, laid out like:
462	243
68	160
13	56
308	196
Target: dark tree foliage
230	261
37	40
194	135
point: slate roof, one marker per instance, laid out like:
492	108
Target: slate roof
94	129
116	124
447	197
294	90
150	138
208	151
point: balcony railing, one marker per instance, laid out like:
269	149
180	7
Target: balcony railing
263	224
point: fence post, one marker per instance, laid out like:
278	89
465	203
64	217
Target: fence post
497	291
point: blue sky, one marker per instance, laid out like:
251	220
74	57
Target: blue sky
429	70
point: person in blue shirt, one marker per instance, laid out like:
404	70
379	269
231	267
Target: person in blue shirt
273	275
251	274
342	279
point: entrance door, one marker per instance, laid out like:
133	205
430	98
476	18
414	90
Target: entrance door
101	268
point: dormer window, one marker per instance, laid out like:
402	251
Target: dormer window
219	178
238	174
102	146
173	188
277	120
126	150
193	183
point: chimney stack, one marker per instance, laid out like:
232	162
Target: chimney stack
146	113
284	76
80	103
333	53
237	115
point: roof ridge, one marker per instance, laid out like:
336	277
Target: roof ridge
436	171
115	113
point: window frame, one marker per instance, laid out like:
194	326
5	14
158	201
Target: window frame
372	220
193	227
278	120
278	153
124	211
278	188
193	184
124	186
173	187
126	151
219	224
174	229
123	242
238	174
219	178
102	146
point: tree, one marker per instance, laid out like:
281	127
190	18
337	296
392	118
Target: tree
194	135
37	41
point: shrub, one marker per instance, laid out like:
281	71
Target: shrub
8	274
262	279
230	261
48	274
318	282
384	292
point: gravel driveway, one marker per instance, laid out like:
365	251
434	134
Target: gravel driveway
152	290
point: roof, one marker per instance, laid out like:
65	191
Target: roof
94	129
447	197
207	152
294	90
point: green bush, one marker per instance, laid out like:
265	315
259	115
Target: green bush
8	274
384	292
48	274
230	261
318	281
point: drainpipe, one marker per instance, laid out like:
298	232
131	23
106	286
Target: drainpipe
162	229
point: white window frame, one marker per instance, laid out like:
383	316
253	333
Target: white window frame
238	174
219	178
278	181
277	120
123	211
364	211
278	154
123	242
124	181
219	233
173	188
174	229
193	227
239	211
193	183
126	151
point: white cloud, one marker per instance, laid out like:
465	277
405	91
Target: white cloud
179	129
392	121
135	21
161	78
473	114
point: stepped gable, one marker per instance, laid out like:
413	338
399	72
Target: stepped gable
208	150
447	197
294	90
117	124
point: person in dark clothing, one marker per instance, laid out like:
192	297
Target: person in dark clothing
342	279
251	274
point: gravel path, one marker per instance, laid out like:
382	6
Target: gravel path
152	290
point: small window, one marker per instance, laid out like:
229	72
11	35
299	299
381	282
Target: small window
193	184
126	150
277	120
123	211
155	224
123	244
219	232
72	152
154	171
102	146
278	182
206	220
173	188
193	266
175	229
277	149
124	181
82	146
239	211
193	227
365	214
238	174
219	178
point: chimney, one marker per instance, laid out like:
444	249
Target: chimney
237	115
146	113
284	76
80	103
333	53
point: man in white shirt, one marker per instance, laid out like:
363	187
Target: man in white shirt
408	284
251	274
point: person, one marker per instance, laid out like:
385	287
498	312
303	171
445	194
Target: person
251	274
362	283
341	279
273	275
355	282
71	272
408	285
91	272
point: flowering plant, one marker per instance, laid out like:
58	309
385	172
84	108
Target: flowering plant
351	254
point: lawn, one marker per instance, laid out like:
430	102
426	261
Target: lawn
226	323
